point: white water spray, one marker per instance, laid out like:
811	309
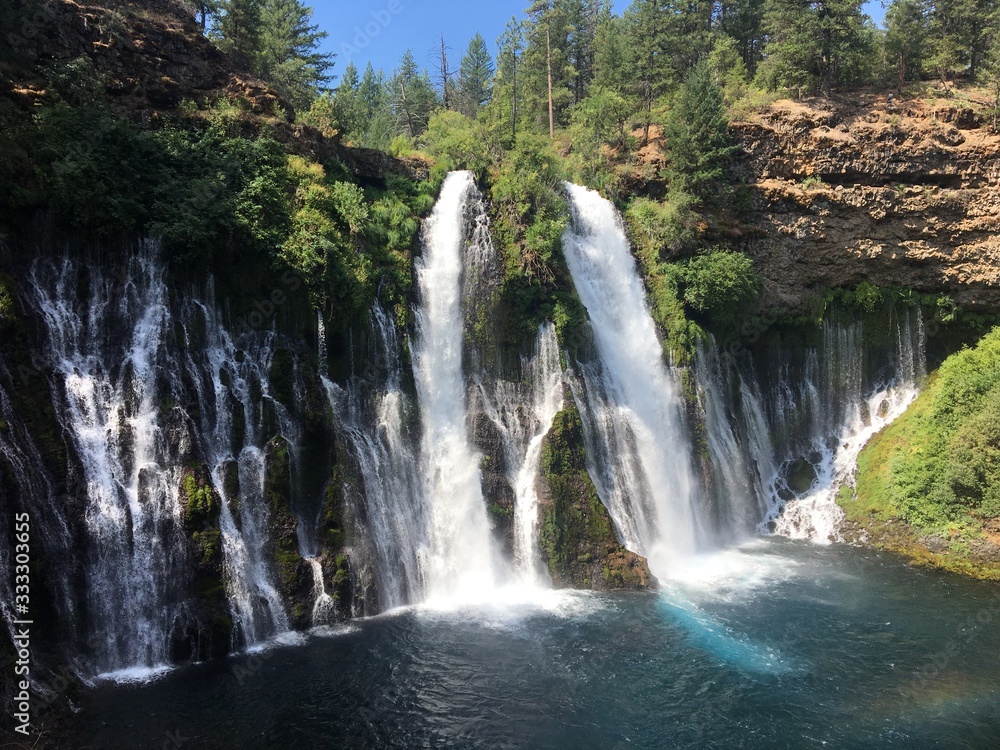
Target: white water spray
632	412
459	560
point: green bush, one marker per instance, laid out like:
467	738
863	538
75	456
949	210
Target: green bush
722	285
939	464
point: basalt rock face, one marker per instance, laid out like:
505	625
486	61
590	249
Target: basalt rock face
898	193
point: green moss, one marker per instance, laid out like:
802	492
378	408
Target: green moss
8	306
201	505
577	536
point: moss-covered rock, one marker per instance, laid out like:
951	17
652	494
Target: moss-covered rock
577	536
294	577
201	508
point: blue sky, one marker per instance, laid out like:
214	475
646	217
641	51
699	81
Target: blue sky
381	30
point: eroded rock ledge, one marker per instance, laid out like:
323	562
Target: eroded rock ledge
898	193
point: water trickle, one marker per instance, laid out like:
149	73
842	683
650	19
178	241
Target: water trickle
373	416
631	411
233	391
523	414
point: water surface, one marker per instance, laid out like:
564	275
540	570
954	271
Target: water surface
777	644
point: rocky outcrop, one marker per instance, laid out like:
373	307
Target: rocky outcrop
151	56
898	193
577	536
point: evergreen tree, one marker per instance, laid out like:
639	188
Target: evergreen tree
612	54
648	36
288	52
475	77
546	72
743	21
506	103
812	45
698	139
958	32
205	10
237	29
413	97
347	106
906	30
375	129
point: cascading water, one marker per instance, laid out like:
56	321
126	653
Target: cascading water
846	413
632	414
108	352
779	455
459	560
232	389
523	415
127	370
372	412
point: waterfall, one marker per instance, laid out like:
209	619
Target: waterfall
107	351
232	389
459	559
846	413
373	417
632	414
523	414
145	396
779	454
324	607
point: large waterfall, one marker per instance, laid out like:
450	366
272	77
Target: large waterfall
631	406
438	445
460	558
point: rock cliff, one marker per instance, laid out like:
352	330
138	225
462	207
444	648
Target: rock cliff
898	193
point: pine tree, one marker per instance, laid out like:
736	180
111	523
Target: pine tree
905	33
347	106
508	85
413	97
547	74
612	55
289	56
648	36
206	9
475	77
811	45
958	35
237	29
743	21
375	129
698	139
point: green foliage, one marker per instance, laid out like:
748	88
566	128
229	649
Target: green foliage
818	45
531	208
275	39
453	139
938	466
721	285
698	139
658	232
905	35
475	78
